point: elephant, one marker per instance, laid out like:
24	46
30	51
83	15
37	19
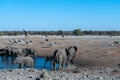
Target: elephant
4	55
13	52
24	61
60	57
72	53
64	56
3	52
9	52
29	52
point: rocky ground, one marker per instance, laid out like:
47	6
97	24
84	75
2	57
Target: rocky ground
98	73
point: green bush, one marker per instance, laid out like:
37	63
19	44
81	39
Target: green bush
1	34
77	32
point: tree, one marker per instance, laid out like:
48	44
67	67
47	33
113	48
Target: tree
77	32
1	34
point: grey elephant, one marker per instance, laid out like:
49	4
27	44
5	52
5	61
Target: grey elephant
9	52
24	61
29	52
13	52
72	53
60	57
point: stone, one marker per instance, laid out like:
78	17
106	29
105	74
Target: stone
44	75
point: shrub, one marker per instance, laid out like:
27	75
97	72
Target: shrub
1	34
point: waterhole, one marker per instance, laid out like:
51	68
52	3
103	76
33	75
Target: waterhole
38	65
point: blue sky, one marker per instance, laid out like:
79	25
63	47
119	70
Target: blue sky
51	15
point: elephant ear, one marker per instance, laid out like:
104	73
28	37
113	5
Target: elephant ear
67	51
75	48
31	51
25	52
55	52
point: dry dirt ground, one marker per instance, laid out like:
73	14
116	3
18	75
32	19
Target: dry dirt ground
92	50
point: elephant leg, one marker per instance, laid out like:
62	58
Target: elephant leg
71	61
3	58
6	59
12	60
64	64
60	65
54	65
51	65
20	65
60	62
34	59
33	65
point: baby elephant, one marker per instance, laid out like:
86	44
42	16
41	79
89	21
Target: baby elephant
24	61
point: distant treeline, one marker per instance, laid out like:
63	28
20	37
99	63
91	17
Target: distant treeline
76	32
111	33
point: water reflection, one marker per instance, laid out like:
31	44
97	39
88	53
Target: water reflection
6	64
